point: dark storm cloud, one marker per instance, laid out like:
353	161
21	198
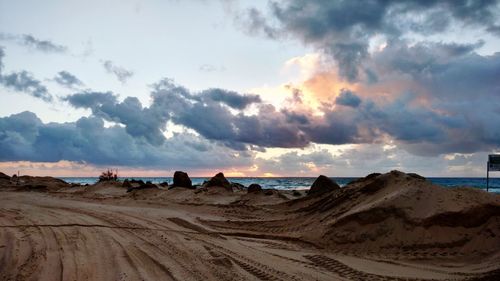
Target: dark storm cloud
121	73
294	117
91	100
371	77
68	80
204	112
424	57
267	128
24	137
348	98
231	98
138	121
336	127
23	81
30	41
460	90
343	28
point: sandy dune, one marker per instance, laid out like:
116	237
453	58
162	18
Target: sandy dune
388	227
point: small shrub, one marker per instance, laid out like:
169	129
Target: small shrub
108	175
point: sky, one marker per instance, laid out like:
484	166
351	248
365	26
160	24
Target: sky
250	88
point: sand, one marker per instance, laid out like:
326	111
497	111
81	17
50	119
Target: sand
389	227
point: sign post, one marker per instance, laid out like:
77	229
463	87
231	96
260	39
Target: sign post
492	165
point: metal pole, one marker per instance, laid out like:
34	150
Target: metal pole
487	175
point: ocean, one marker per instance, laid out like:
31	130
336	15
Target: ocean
303	182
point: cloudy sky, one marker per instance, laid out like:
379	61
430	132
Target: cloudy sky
251	88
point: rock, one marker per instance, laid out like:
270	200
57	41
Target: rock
14	179
269	192
147	185
375	185
132	185
137	182
126	184
39	183
372	176
181	179
219	180
296	193
4	176
323	184
253	188
164	184
416	176
4	179
369	177
236	185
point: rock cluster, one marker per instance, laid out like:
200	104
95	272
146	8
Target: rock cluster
132	185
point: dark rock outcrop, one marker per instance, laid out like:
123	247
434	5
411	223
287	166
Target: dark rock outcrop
269	192
374	186
219	180
137	182
132	185
37	183
4	179
164	184
323	184
369	177
181	179
127	184
236	185
254	188
147	185
416	176
4	176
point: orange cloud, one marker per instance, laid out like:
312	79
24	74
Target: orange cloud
325	86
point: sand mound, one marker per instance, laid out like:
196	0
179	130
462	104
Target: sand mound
105	189
401	214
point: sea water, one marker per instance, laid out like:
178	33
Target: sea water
303	182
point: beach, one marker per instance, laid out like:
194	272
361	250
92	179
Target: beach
392	226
